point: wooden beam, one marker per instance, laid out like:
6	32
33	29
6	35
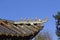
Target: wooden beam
19	29
28	32
31	28
11	28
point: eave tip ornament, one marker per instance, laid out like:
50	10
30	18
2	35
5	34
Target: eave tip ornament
31	21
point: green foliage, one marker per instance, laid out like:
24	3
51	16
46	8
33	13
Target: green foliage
57	17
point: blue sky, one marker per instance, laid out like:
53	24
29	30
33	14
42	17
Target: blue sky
14	9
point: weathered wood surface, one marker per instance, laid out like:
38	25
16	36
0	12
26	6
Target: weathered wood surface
18	31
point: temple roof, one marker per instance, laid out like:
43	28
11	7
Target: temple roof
23	28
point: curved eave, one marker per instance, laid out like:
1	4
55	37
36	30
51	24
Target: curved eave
8	28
